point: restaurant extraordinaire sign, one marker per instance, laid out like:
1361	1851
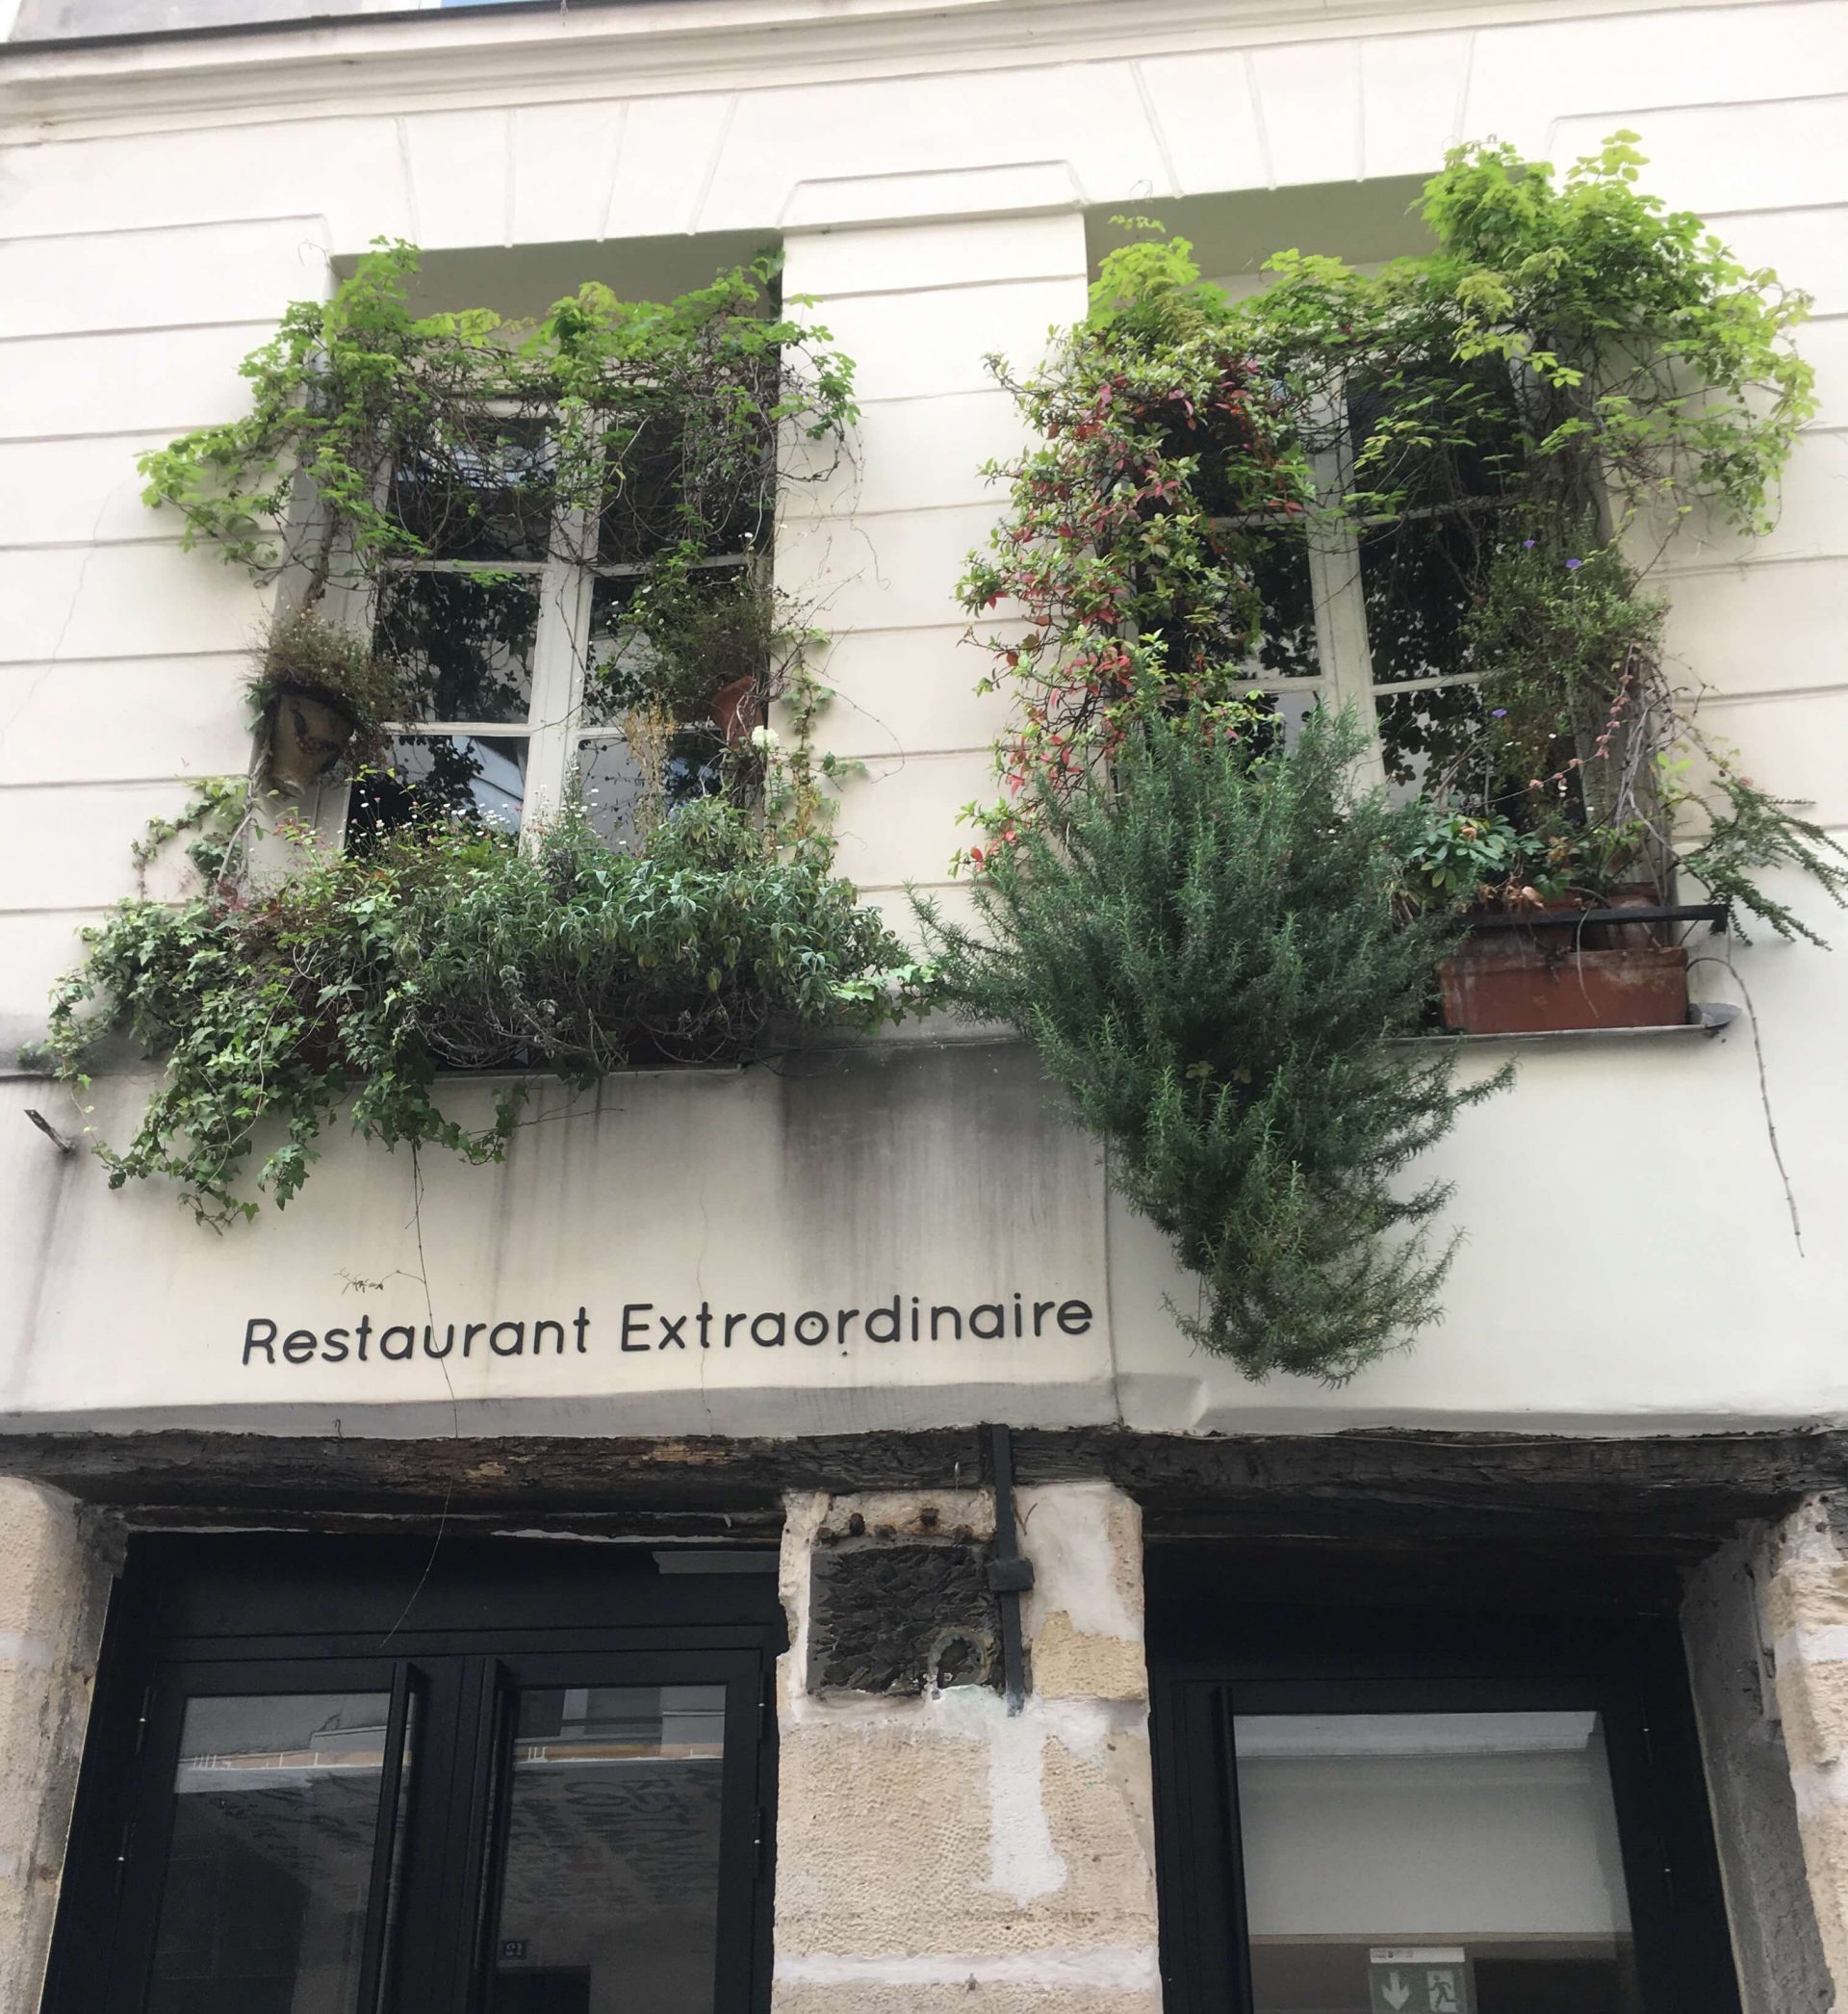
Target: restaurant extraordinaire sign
642	1329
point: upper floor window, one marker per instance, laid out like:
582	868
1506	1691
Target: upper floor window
539	630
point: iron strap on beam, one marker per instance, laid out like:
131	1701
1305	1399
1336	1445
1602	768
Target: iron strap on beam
1009	1571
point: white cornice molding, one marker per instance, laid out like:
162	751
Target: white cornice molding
452	59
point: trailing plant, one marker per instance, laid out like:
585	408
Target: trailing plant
1204	947
1569	371
358	980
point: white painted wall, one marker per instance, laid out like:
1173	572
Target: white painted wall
1629	1261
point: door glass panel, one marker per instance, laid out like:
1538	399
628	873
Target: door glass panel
610	1877
276	1806
1432	1864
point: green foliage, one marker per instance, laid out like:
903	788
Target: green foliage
1208	958
367	421
362	979
303	652
1749	833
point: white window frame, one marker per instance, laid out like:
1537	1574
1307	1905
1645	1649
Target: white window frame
555	729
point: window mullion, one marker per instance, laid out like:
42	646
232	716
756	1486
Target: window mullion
1340	611
558	672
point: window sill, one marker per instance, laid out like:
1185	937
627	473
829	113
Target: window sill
1705	1018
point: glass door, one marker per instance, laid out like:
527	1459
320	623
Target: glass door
460	1829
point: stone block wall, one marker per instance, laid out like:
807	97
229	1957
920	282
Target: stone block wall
55	1576
934	1851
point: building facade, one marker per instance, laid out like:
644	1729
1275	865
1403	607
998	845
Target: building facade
681	1633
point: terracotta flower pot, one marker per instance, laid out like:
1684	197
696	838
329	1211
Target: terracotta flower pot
734	708
1518	986
309	731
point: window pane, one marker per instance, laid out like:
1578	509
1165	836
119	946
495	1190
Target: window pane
275	1805
721	628
685	476
1419	580
1434	1863
610	1880
1280	563
476	779
1433	746
484	494
1435	435
465	646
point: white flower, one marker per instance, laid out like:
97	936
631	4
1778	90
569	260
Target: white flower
764	740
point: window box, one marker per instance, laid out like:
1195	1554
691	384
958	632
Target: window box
1562	970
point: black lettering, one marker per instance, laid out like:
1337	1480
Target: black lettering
363	1330
1040	1310
812	1314
955	1315
914	1318
385	1336
671	1332
705	1320
253	1341
519	1339
632	1326
1016	1314
580	1325
539	1336
298	1346
1074	1317
768	1342
988	1307
888	1315
429	1341
730	1323
470	1332
333	1350
846	1315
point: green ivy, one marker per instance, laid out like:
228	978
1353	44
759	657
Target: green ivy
356	982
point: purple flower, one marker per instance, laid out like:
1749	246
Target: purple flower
1528	545
1573	565
1498	712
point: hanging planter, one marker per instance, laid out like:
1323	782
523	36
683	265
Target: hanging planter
309	731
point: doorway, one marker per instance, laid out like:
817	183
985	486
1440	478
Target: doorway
483	1777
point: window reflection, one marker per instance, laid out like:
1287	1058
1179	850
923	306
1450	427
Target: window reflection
475	779
275	1807
608	1897
463	645
482	495
1435	1863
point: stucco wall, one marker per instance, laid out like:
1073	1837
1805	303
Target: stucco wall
1628	1258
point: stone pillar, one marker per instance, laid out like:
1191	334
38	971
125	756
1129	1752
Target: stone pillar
1806	1626
54	1577
934	1853
1781	1964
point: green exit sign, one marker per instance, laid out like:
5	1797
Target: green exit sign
1419	1980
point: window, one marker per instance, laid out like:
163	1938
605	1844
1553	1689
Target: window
1364	612
541	1788
1428	1811
524	635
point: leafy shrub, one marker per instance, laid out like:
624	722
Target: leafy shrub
1206	953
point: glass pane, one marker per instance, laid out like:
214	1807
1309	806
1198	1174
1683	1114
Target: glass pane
1279	564
464	645
1432	1864
1435	435
477	778
275	1805
702	476
481	494
1419	580
631	783
1434	744
609	1887
721	630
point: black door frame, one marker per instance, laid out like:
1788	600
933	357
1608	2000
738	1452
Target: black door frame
461	1625
1212	1659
